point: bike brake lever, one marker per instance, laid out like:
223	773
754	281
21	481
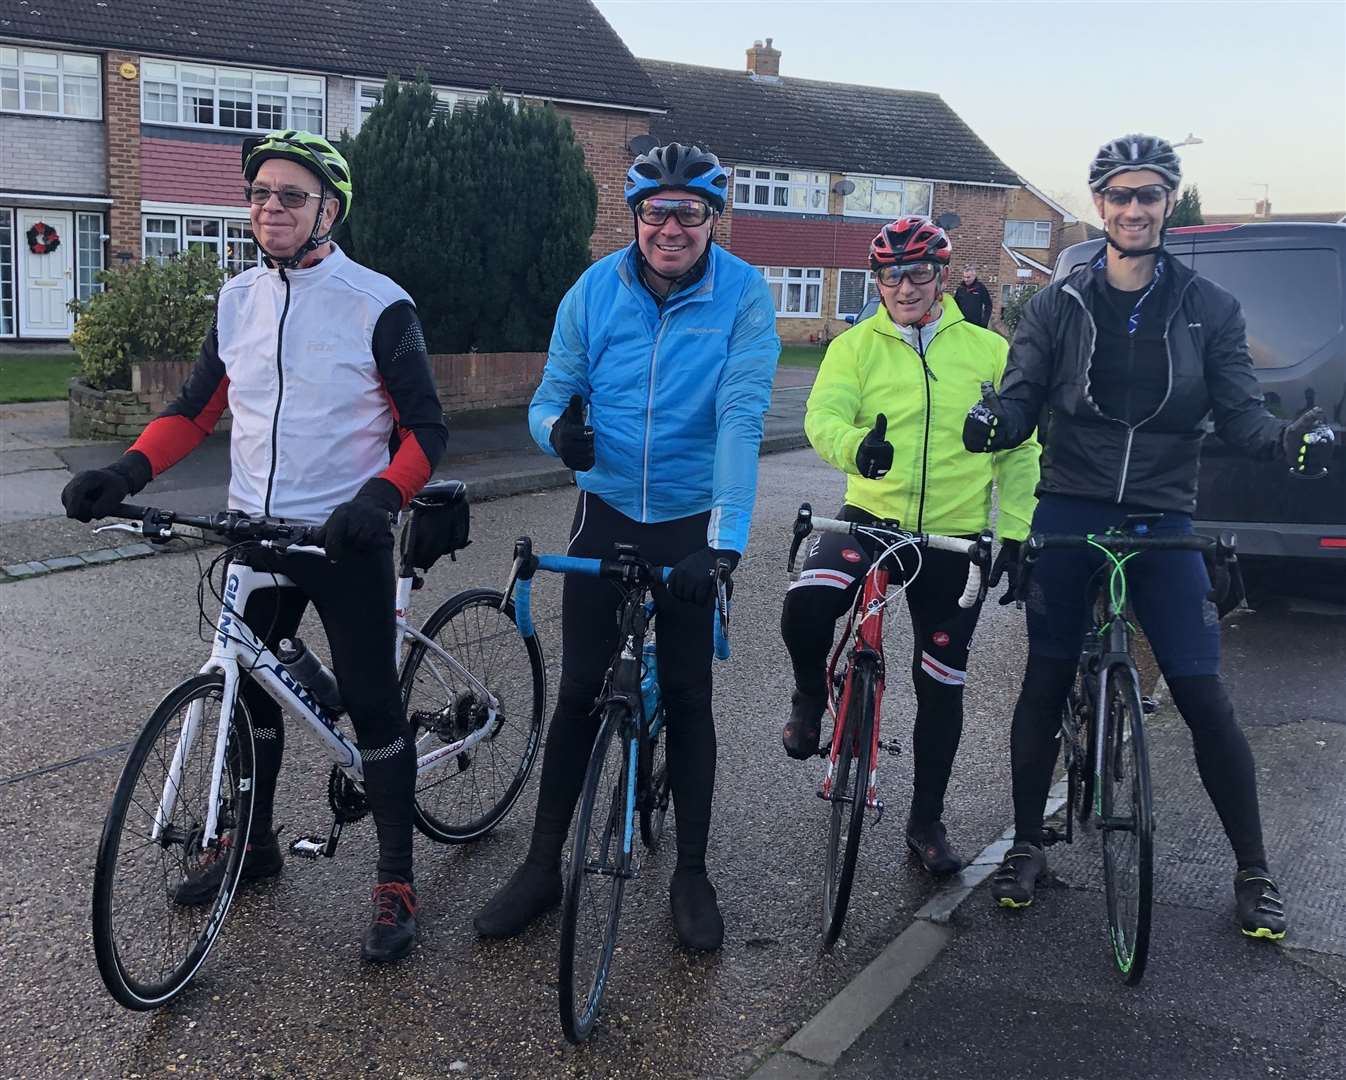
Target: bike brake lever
802	527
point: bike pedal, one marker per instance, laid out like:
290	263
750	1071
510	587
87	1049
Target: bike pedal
891	748
308	847
1149	706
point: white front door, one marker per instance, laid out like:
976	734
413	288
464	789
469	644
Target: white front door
47	281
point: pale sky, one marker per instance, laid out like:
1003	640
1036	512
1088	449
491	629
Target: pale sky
1044	84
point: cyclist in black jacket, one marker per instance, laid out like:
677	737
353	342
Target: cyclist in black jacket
1128	356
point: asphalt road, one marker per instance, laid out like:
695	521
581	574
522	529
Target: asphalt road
88	653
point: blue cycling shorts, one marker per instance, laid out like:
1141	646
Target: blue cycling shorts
1168	589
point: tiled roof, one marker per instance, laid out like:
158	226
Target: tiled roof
839	127
557	49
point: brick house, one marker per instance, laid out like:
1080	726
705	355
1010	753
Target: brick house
820	166
120	128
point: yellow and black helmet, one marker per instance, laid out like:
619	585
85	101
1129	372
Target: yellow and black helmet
311	151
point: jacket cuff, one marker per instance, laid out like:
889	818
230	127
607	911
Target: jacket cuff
382	493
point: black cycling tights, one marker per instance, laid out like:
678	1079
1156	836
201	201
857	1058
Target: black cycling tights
589	609
1222	755
355	602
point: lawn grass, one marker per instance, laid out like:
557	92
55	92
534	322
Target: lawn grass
801	355
35	376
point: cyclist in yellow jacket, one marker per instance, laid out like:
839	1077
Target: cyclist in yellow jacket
887	408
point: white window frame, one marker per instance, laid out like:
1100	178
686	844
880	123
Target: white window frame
891	184
88	254
7	262
156	74
773	179
1041	230
187	242
871	290
12	64
447	100
145	235
800	276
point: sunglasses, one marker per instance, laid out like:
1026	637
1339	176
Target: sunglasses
917	273
1150	195
689	212
290	198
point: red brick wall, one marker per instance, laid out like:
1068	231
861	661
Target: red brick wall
121	110
981	230
183	171
486	380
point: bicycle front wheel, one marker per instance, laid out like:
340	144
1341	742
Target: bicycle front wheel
600	863
148	945
1128	825
462	796
850	791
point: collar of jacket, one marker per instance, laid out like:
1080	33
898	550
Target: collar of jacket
1087	282
701	290
310	276
952	316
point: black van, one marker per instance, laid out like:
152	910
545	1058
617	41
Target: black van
1291	280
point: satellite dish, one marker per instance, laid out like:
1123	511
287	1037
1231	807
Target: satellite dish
844	187
642	144
948	221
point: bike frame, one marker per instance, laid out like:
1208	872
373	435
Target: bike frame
1112	649
237	651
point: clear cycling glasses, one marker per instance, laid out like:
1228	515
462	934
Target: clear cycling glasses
689	212
290	198
1149	195
919	273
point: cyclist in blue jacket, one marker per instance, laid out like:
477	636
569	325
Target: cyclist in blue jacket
670	344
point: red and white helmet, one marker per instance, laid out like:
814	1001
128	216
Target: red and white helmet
909	240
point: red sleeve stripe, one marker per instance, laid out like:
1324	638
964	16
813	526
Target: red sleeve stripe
166	440
409	471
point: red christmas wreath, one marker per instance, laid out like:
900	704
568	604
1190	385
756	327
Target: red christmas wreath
42	238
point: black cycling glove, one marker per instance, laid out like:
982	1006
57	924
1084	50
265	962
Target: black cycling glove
693	579
1308	443
979	429
364	524
572	438
95	493
1006	563
875	456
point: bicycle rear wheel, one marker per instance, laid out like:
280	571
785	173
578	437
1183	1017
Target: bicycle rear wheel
463	796
850	788
1128	825
654	804
600	863
148	946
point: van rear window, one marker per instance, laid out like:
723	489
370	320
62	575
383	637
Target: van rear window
1292	300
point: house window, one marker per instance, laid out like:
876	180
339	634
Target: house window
234	98
88	254
367	95
6	272
161	238
796	290
888	198
240	249
854	289
784	190
228	240
1028	234
51	83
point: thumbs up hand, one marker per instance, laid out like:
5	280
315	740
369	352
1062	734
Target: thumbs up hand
875	456
572	438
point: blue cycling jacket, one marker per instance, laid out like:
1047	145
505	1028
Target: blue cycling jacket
676	396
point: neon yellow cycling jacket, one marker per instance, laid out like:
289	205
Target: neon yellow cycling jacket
934	485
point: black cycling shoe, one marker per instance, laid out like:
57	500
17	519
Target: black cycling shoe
804	728
261	859
532	891
696	915
930	844
1014	883
1261	911
392	932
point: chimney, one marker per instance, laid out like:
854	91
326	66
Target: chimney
764	61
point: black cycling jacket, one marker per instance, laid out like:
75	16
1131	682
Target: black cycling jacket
1153	462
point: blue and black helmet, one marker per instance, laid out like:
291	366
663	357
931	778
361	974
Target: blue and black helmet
681	168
